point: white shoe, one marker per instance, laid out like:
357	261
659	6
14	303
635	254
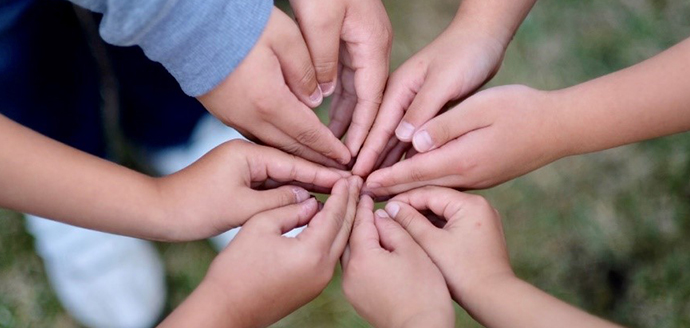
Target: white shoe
209	133
102	280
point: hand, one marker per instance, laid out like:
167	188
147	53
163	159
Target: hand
266	276
219	191
456	63
491	137
389	279
350	43
265	97
469	249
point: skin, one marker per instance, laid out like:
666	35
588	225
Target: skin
268	97
505	132
459	61
213	195
350	44
389	279
470	251
262	276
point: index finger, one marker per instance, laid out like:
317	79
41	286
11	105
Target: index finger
431	168
330	228
305	127
397	97
269	163
364	234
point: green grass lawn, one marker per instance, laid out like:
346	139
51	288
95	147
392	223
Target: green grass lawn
607	232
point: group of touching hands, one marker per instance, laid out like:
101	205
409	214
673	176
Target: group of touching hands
403	265
407	137
401	268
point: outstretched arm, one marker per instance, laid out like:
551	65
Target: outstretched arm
218	192
504	132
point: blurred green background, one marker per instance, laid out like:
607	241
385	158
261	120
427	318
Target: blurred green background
607	232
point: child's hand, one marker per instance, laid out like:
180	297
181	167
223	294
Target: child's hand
350	44
389	279
265	276
458	62
491	137
220	190
265	96
470	249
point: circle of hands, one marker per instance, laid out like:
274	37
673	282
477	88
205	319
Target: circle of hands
402	142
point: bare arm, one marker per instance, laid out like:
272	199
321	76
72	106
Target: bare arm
44	177
645	101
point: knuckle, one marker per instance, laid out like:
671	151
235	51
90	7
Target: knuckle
307	75
309	136
416	174
326	67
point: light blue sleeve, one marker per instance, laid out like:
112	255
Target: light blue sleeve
199	42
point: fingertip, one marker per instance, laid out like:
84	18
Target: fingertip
422	141
392	208
366	200
328	88
309	208
404	131
316	98
381	214
301	194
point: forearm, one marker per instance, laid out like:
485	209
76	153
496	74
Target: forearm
645	101
46	178
511	302
207	306
498	18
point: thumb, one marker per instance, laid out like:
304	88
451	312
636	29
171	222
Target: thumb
416	224
456	122
391	235
320	22
283	219
295	61
261	201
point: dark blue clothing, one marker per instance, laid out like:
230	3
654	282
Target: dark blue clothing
50	82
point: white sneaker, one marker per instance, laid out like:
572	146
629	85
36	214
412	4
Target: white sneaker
209	133
102	280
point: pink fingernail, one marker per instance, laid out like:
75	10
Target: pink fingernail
381	214
392	209
422	141
373	185
300	194
316	97
327	88
308	206
404	131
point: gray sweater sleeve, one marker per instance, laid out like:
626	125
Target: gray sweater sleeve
199	42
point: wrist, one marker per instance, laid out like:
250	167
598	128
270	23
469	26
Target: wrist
562	135
497	21
468	293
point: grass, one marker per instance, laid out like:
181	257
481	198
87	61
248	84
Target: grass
606	232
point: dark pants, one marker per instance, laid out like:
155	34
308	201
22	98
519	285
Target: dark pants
50	82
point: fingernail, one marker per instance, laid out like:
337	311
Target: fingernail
316	97
300	194
381	214
422	141
392	209
404	131
308	206
327	88
373	185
